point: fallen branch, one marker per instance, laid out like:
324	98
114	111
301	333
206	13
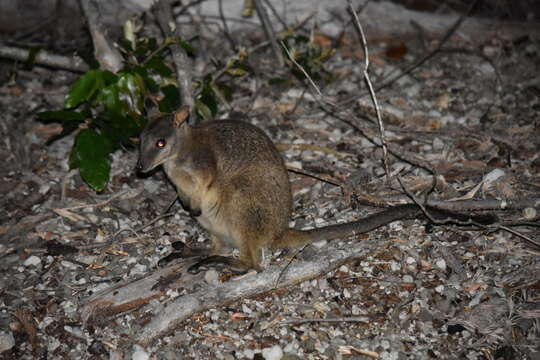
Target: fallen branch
182	63
129	296
108	57
45	58
10	233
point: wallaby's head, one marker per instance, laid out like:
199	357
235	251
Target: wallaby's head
161	139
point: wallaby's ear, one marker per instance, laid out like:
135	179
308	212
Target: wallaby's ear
181	115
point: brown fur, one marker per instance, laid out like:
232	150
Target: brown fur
230	176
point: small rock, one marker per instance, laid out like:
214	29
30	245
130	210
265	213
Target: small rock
441	264
6	341
211	276
438	144
529	213
246	309
139	353
250	354
491	177
32	261
273	353
408	278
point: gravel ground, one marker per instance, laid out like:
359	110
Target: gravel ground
416	291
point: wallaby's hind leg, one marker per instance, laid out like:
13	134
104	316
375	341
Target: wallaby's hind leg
219	262
181	251
250	258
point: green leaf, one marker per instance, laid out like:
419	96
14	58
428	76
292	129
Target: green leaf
301	39
225	90
119	129
110	98
124	100
277	81
149	82
131	93
208	97
156	63
145	46
90	154
63	116
125	45
239	69
190	49
203	111
108	77
84	88
171	99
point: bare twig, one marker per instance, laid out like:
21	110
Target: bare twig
225	26
351	350
318	94
321	177
115	235
269	31
363	319
518	234
468	222
330	108
99	204
274	11
44	58
312	147
382	136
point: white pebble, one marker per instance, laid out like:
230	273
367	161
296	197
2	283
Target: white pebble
408	279
139	353
441	264
211	276
6	341
273	353
32	261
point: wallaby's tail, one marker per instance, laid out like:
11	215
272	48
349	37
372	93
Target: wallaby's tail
293	237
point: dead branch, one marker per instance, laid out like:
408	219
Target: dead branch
8	233
128	296
45	58
382	136
269	31
184	68
226	32
482	205
321	177
108	57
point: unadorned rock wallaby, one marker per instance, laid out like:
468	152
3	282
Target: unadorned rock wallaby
232	179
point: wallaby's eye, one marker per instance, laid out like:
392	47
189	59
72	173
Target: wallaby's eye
161	143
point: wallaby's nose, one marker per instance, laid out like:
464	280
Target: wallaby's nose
139	166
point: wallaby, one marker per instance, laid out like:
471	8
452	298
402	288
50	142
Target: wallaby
232	179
